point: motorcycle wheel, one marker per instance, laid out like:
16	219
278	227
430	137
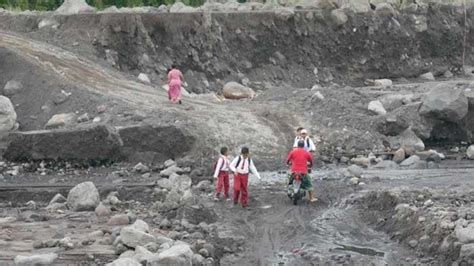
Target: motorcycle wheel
295	200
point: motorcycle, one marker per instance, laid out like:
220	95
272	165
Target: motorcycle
295	190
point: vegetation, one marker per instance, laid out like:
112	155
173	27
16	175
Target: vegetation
45	5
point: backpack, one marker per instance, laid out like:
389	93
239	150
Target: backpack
214	165
238	162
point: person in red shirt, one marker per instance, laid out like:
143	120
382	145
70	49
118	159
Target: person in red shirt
299	159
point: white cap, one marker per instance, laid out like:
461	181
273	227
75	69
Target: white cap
304	131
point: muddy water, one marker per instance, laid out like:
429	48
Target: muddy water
279	233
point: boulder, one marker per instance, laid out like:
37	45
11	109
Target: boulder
83	197
102	210
7	115
96	142
179	7
387	164
180	183
144	78
399	155
119	219
339	17
235	91
427	76
361	161
410	161
74	7
171	170
392	125
133	237
358	6
284	13
124	262
407	140
393	101
377	108
465	234
467	251
37	259
384	83
48	22
61	120
180	254
355	170
158	142
470	152
445	103
58	198
12	87
385	9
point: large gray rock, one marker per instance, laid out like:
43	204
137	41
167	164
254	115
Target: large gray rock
445	103
83	197
133	237
410	161
358	6
179	7
407	140
385	9
339	17
470	152
465	234
179	255
402	118
235	91
97	142
12	87
124	262
355	170
37	259
7	115
74	7
393	101
467	251
181	183
147	143
386	164
61	120
376	107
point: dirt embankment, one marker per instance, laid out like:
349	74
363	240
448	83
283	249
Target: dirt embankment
301	49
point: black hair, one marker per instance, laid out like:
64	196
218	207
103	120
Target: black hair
224	150
301	144
299	129
244	150
173	66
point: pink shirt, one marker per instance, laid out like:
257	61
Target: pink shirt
175	75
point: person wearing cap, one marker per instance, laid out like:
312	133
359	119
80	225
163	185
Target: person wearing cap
308	142
242	166
300	159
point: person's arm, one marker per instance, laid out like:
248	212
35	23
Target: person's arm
169	77
288	159
218	167
232	165
253	169
295	143
312	147
310	159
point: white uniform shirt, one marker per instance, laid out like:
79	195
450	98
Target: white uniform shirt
308	143
222	165
244	166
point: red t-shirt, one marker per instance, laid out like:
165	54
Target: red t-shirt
299	159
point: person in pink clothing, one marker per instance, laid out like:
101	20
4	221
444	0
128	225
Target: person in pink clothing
175	78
